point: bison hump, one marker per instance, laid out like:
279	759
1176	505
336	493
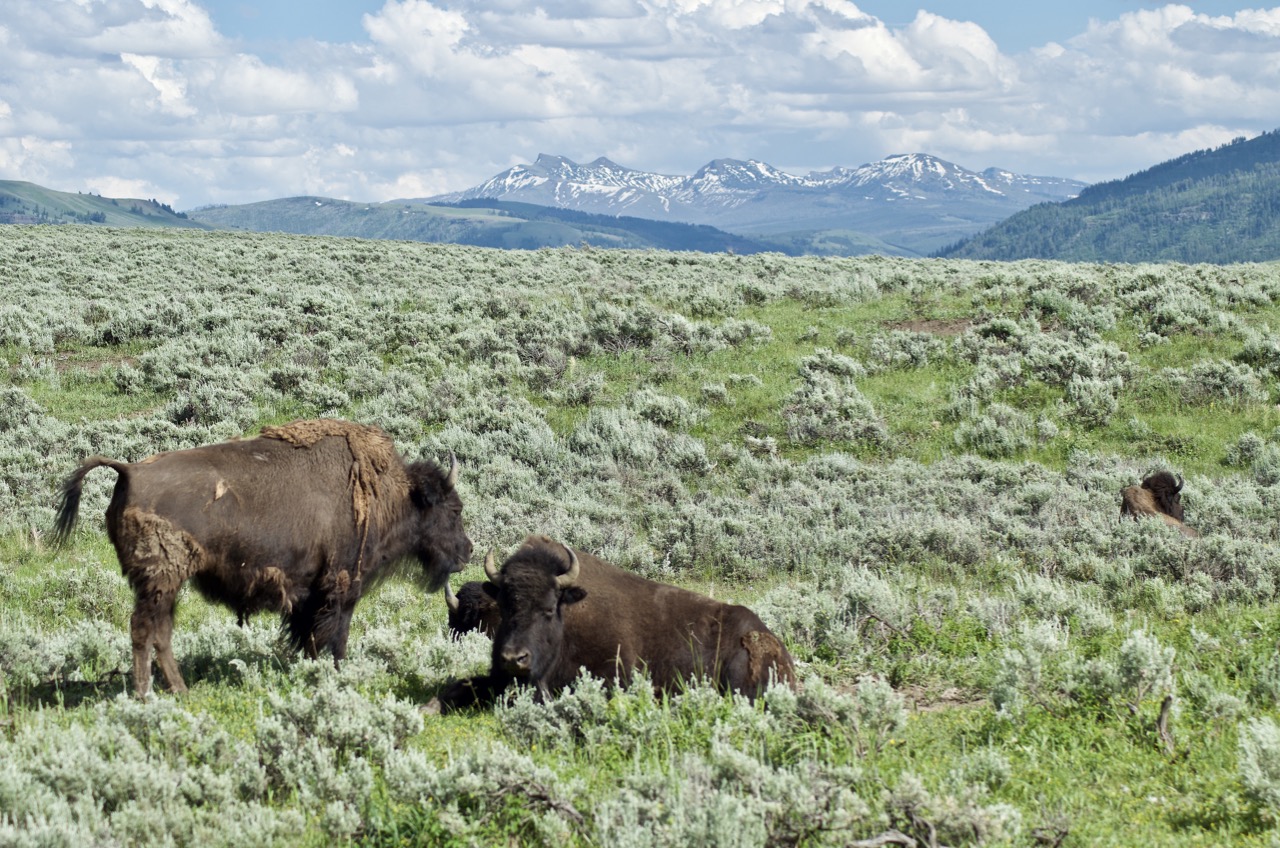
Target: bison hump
366	441
377	477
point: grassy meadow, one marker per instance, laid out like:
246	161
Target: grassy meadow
909	468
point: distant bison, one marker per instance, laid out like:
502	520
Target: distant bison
565	610
301	521
471	609
1160	495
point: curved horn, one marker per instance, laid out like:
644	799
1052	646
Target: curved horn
491	569
450	599
451	479
570	577
1179	488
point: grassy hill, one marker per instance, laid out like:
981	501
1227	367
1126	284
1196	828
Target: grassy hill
909	468
479	223
1220	205
28	203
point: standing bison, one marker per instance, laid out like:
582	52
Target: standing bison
565	610
301	520
1160	495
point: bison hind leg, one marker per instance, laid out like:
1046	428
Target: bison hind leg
156	557
151	626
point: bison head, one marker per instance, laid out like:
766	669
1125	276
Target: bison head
1167	491
532	590
471	609
442	546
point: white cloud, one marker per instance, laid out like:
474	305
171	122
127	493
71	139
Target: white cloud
170	88
250	87
112	186
434	96
171	28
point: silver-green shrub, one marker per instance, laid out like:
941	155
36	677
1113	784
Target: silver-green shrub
1091	402
947	819
1221	382
478	783
999	431
826	408
1260	763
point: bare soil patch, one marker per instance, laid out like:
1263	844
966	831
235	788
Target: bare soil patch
935	326
64	362
922	700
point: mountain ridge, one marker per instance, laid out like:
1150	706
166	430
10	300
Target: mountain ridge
931	197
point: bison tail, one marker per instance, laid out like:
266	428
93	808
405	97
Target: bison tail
69	509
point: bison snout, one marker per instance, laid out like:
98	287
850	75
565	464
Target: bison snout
516	661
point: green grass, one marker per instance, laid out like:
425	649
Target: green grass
909	400
917	565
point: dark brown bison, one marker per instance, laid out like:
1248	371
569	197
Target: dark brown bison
300	520
1160	495
471	609
565	610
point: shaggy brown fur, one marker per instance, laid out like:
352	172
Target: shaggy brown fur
376	466
1159	496
612	623
301	521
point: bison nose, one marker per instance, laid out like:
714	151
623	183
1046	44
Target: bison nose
515	661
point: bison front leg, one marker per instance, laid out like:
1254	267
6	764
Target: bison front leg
471	692
152	627
318	623
342	629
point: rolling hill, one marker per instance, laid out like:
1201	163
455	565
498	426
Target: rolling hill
479	223
27	203
1220	205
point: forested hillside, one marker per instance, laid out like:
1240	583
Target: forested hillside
1219	205
27	203
910	469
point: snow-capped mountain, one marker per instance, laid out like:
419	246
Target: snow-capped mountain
912	200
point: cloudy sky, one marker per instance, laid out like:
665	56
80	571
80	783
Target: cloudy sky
195	102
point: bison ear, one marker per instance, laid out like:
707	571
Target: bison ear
572	595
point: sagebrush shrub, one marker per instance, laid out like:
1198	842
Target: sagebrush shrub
1000	431
826	408
1260	763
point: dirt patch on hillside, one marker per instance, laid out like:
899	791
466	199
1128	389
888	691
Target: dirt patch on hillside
934	326
64	362
919	699
922	700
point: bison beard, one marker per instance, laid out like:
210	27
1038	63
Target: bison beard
1159	496
563	611
301	520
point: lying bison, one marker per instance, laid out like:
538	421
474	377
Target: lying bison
301	520
471	609
1160	495
565	610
